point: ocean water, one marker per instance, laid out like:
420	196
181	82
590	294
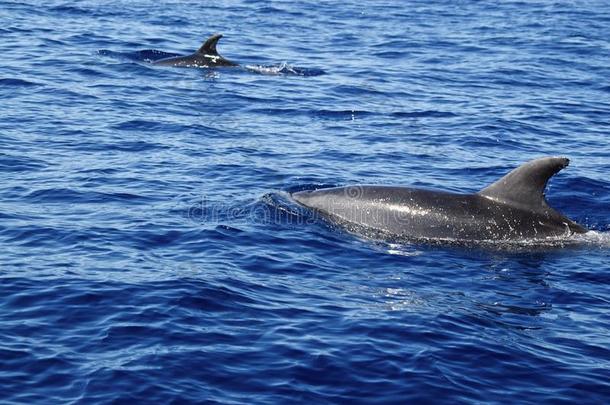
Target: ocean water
150	251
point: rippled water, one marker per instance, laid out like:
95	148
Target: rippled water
150	251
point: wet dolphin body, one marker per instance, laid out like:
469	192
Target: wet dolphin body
206	56
512	208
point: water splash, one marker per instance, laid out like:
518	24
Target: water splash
284	69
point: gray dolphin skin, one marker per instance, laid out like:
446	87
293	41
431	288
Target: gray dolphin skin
512	208
206	56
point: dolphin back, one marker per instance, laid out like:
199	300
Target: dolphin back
512	208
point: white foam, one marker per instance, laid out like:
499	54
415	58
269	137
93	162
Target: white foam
594	238
283	68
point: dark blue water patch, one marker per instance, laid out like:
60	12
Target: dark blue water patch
83	11
87	72
7	82
392	55
50	42
146	240
91	39
59	195
106	171
494	141
65	9
583	200
324	114
45	237
360	90
9	163
341	114
130	146
170	21
65	96
139	125
423	114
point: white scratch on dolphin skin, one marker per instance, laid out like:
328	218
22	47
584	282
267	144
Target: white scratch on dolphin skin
404	209
213	57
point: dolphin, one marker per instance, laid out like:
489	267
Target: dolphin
513	208
206	56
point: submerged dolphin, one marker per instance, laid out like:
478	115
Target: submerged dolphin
206	56
512	208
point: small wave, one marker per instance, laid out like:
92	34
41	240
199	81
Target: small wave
10	82
344	114
137	125
149	126
9	163
67	9
423	114
127	146
67	195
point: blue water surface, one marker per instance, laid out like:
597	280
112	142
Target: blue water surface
150	249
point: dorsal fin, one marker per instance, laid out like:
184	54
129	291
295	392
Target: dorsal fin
209	46
524	186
